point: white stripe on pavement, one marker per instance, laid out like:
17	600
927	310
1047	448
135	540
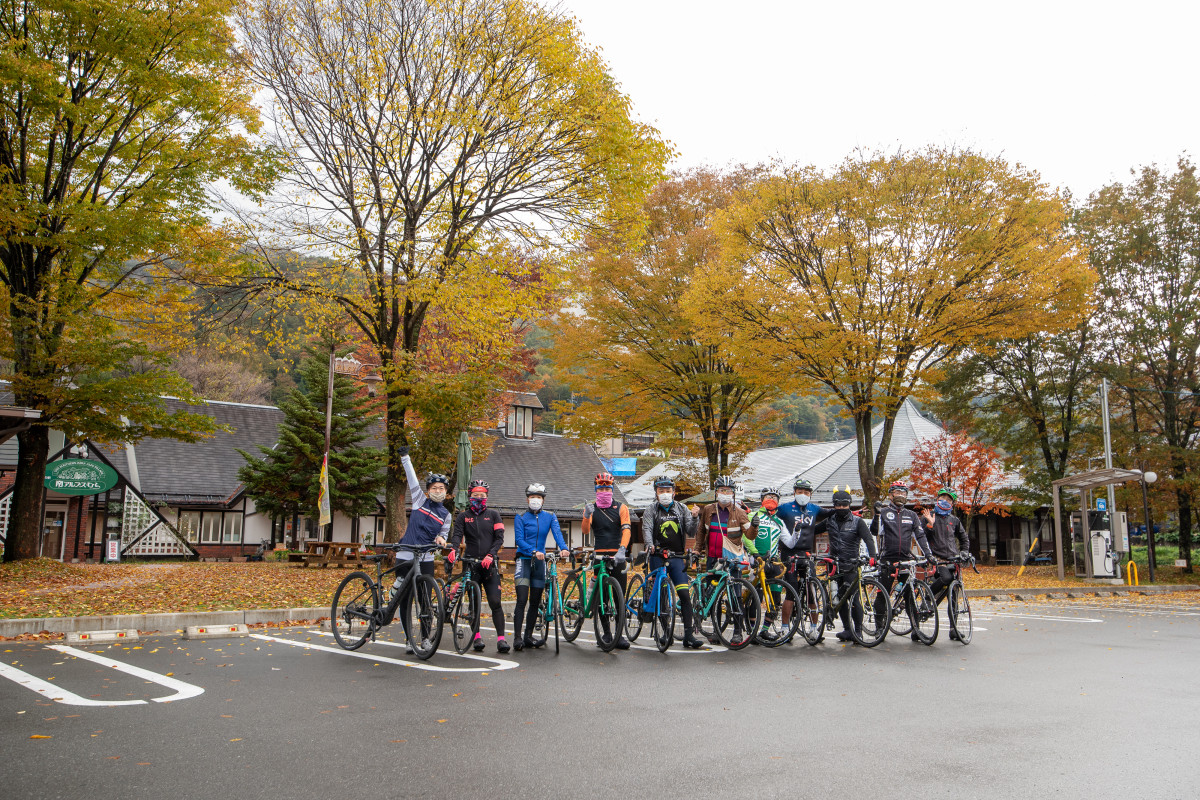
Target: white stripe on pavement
675	649
399	662
503	664
57	693
183	690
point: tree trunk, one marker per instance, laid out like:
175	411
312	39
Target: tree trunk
395	487
1184	498
25	520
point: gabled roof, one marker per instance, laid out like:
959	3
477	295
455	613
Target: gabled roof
567	470
523	400
826	464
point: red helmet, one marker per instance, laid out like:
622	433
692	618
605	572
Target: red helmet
604	479
898	486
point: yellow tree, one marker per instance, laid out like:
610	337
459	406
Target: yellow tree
629	350
115	118
427	143
866	279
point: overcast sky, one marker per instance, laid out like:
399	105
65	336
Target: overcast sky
1080	92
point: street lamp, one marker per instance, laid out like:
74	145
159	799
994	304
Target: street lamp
1148	478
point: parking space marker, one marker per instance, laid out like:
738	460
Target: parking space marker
400	662
57	693
183	690
506	664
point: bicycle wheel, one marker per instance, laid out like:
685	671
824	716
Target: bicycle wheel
959	609
423	615
736	614
663	626
900	624
355	606
776	632
540	630
464	616
925	613
572	606
813	608
608	612
634	601
700	599
877	613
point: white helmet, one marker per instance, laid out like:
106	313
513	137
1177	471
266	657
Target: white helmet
535	488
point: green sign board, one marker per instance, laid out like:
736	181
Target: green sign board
79	476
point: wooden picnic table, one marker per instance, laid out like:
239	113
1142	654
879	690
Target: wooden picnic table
342	554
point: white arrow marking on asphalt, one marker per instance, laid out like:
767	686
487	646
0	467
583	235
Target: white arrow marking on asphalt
183	690
385	659
57	693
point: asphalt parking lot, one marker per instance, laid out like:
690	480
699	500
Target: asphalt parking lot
1059	699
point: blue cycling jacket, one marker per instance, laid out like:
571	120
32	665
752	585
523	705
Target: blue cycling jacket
531	530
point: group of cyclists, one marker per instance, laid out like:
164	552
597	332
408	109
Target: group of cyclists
776	542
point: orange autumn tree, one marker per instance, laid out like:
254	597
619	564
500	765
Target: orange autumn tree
973	470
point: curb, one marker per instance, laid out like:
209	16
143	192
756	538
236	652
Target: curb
178	622
172	622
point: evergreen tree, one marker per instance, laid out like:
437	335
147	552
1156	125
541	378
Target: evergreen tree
286	479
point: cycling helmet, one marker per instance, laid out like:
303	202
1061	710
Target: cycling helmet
766	490
724	482
802	483
946	490
841	497
535	489
436	478
478	484
604	479
664	483
898	486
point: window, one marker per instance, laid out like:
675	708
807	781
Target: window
189	525
233	528
210	529
520	422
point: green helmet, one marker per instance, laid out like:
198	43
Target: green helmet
946	490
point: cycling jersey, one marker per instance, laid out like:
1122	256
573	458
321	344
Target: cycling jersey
946	531
668	527
845	535
531	530
610	527
800	523
484	533
427	520
896	527
766	528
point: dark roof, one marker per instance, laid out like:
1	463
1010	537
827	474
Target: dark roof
204	471
523	400
567	470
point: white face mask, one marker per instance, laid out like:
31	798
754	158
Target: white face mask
666	497
725	498
802	499
535	504
437	495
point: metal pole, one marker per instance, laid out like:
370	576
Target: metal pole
1149	529
1112	489
329	427
1058	545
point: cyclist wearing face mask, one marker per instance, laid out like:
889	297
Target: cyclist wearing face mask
428	523
531	529
947	539
484	531
722	524
800	517
667	525
608	523
847	532
766	528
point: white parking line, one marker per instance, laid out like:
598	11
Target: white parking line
183	690
399	662
1043	617
503	664
60	695
675	649
1156	610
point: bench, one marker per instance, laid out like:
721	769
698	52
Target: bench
322	554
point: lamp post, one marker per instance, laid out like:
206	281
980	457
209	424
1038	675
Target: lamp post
1147	478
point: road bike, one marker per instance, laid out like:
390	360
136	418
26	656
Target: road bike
913	606
464	603
726	606
600	598
813	598
863	589
358	610
779	602
550	610
958	608
652	595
